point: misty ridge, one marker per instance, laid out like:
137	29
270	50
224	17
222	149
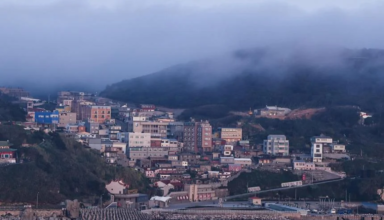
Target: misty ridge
85	45
314	77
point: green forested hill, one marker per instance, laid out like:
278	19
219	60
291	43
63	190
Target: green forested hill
58	168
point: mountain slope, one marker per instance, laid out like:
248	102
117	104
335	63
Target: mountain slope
9	111
58	168
256	78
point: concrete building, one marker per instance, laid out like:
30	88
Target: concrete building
255	200
197	137
152	127
66	118
92	127
317	144
98	113
227	160
244	162
139	139
276	145
47	117
197	192
302	165
176	130
338	148
136	153
231	135
204	137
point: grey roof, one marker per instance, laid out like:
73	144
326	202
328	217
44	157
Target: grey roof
5	143
7	149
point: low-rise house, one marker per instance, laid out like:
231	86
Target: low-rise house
255	200
227	160
234	167
72	128
189	157
173	157
261	160
302	165
272	111
338	148
7	154
117	187
136	200
200	192
150	173
244	162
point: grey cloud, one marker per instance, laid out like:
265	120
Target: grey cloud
94	44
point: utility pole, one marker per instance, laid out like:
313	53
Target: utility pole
295	194
346	195
37	200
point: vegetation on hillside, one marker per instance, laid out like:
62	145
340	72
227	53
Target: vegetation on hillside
58	168
9	111
264	179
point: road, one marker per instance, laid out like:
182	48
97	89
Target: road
279	189
237	204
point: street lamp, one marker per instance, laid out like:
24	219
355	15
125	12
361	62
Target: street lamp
37	200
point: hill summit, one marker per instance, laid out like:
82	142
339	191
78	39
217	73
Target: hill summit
255	78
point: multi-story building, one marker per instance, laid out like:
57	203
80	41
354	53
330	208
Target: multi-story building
66	118
152	127
197	192
113	131
92	127
97	113
138	153
47	117
176	130
80	107
231	135
139	139
204	137
197	137
276	145
317	145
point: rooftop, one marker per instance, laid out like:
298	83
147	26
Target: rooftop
5	143
6	150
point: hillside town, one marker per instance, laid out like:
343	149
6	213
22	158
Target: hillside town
185	161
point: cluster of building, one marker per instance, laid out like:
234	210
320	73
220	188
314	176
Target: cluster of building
185	161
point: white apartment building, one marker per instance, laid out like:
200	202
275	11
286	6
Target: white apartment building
139	139
317	144
276	145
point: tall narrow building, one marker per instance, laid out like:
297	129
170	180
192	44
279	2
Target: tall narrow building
197	137
317	145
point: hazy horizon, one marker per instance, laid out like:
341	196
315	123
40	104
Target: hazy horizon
90	44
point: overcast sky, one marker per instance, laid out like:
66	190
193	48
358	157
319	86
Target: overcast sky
97	42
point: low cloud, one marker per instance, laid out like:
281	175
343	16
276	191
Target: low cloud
95	43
